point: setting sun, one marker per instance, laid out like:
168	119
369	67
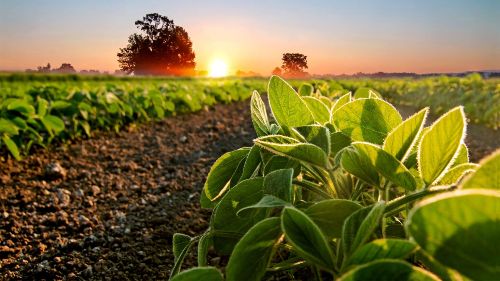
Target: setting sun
218	68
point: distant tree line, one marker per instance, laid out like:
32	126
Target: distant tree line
67	68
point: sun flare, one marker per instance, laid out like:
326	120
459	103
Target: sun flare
218	68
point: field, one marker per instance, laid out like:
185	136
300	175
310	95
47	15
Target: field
99	173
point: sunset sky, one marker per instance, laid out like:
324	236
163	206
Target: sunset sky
337	36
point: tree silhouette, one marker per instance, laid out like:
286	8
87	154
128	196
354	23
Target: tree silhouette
162	48
294	65
65	68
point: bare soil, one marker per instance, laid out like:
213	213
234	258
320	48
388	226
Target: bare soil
106	208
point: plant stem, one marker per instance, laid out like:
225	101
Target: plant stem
400	201
312	187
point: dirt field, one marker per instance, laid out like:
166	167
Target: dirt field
106	208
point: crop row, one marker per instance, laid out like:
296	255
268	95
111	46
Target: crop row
38	113
480	97
346	189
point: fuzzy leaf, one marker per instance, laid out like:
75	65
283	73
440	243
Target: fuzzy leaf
225	218
386	165
221	172
487	175
440	145
359	166
279	183
259	115
287	106
383	249
305	89
460	229
268	201
252	163
457	172
315	134
289	147
340	102
367	120
401	139
306	238
331	214
253	253
179	243
319	110
388	270
359	227
199	273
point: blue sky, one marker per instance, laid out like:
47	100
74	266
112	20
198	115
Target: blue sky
337	36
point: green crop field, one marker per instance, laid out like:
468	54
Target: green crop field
38	109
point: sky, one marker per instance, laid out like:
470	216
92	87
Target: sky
337	36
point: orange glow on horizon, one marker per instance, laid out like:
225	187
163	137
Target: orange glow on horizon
218	68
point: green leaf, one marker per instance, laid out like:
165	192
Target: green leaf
326	101
320	112
365	93
279	183
359	227
287	106
386	164
488	174
53	124
306	89
401	139
203	245
443	272
21	106
42	107
252	163
12	147
268	201
457	172
315	134
221	172
383	249
440	145
289	147
338	141
460	230
235	178
260	120
279	162
340	102
225	218
367	120
462	156
306	238
7	126
331	214
388	270
199	273
359	166
179	243
253	253
60	104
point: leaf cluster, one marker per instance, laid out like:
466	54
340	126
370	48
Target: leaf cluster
345	189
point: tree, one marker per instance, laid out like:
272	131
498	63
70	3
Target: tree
294	65
162	48
44	69
277	71
65	68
